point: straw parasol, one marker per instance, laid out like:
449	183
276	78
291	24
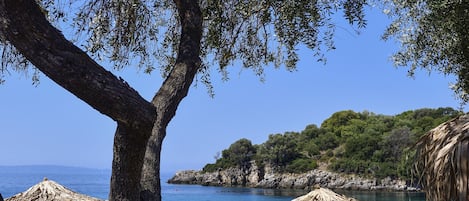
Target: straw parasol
323	194
48	190
443	160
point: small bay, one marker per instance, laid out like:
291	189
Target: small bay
95	182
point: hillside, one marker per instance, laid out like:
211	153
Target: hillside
359	143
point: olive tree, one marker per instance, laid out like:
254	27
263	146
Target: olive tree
240	153
181	38
434	35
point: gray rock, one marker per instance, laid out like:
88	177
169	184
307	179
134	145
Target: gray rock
185	177
268	178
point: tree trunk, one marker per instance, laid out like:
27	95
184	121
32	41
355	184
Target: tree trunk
136	161
151	180
127	163
25	27
171	93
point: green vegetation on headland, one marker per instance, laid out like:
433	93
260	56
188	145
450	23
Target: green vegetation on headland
361	143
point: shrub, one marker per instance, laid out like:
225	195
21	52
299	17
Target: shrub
221	163
301	165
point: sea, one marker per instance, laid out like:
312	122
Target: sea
95	182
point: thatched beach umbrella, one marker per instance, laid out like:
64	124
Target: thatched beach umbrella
323	194
48	190
443	161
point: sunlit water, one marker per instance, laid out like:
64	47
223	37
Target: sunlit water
95	183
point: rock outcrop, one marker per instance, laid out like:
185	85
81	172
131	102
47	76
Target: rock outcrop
267	178
48	190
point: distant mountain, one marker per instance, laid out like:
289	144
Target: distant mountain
48	168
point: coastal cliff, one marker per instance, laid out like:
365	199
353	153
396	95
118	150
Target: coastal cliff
349	150
267	178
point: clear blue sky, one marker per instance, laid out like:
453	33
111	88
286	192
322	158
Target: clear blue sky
48	125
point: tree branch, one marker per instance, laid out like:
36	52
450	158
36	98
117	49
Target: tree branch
176	85
171	93
25	27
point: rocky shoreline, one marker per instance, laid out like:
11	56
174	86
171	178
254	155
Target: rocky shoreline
266	178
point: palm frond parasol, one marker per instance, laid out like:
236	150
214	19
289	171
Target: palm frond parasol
443	161
48	190
323	194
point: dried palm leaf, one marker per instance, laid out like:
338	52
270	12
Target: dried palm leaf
443	161
323	194
48	190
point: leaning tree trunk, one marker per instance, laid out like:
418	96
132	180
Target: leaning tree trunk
24	26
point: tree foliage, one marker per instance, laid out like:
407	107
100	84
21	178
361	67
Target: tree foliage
280	150
183	38
145	33
350	142
239	154
434	35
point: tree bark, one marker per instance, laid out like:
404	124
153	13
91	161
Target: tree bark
127	163
136	160
25	27
171	93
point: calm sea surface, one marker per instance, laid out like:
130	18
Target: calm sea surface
95	183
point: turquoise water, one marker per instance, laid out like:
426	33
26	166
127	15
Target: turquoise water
95	183
17	179
204	193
